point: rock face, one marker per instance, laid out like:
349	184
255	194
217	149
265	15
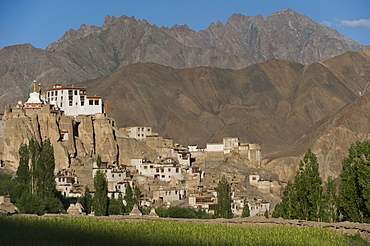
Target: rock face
92	52
74	143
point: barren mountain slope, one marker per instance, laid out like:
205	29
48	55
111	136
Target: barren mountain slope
329	139
92	52
271	103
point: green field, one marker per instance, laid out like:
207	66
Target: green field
15	230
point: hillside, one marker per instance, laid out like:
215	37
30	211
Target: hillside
92	52
271	103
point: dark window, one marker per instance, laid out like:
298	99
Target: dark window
96	102
91	102
70	103
75	92
82	103
56	93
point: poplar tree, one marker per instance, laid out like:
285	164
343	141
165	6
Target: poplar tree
223	207
303	198
36	171
308	188
34	151
246	212
129	198
100	200
86	200
330	212
45	171
23	172
353	201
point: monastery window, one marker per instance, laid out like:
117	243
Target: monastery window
142	135
96	102
70	92
177	170
163	176
138	135
142	129
119	175
112	175
138	129
70	103
62	92
91	102
75	92
148	130
56	93
162	170
82	103
70	98
157	170
61	104
169	169
61	98
151	166
48	94
175	192
52	99
145	167
52	93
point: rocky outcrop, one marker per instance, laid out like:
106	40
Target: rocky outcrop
74	143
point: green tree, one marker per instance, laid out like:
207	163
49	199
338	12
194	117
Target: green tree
223	207
129	198
98	161
23	173
115	207
36	178
86	200
303	198
246	212
137	193
330	213
45	171
34	152
353	200
100	200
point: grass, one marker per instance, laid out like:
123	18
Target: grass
15	230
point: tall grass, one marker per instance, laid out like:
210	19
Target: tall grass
16	230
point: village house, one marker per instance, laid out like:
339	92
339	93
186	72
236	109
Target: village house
118	178
214	153
6	206
203	200
66	182
167	196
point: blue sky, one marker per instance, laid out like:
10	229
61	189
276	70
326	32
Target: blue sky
42	22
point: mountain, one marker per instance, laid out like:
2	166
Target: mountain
271	103
92	52
330	139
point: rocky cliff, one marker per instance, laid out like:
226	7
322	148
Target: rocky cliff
76	140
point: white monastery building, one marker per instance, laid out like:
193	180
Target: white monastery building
74	101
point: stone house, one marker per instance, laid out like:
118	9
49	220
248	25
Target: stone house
6	206
166	196
205	201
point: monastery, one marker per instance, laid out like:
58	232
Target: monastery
166	173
